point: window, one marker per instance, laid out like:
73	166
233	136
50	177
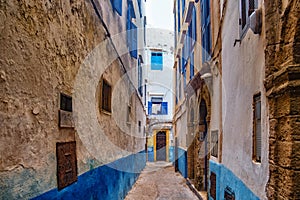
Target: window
131	31
247	7
205	30
213	185
156	61
194	25
128	115
257	127
192	36
229	194
65	112
157	107
65	102
106	96
183	6
192	71
140	126
214	143
140	8
117	6
178	15
140	75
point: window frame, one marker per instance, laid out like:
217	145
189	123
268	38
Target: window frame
163	106
155	65
131	31
206	37
247	12
257	139
103	107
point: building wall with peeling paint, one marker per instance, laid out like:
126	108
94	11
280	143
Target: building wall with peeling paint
63	47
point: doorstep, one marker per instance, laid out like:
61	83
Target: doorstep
201	195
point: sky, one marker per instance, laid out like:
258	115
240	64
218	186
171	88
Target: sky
159	14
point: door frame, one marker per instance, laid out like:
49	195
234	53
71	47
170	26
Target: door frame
167	143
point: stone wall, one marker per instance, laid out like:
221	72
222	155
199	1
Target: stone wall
283	92
45	48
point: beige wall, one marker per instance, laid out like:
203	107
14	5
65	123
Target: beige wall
48	48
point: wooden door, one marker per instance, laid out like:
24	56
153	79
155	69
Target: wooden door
161	146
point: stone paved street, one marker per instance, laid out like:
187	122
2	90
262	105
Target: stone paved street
160	182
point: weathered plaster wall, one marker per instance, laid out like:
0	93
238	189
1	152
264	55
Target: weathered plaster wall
282	75
46	49
243	74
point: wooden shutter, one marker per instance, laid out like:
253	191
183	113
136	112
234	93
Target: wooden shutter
257	140
213	185
258	128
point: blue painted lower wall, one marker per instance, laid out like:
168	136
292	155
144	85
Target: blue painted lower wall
225	180
182	162
108	182
171	154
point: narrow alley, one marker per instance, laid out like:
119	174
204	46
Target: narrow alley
149	99
159	181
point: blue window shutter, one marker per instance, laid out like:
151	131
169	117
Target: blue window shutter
131	8
149	108
117	6
178	14
183	6
192	66
205	24
164	108
140	8
194	26
133	46
184	77
156	61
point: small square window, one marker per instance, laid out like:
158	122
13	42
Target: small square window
140	126
106	96
65	102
